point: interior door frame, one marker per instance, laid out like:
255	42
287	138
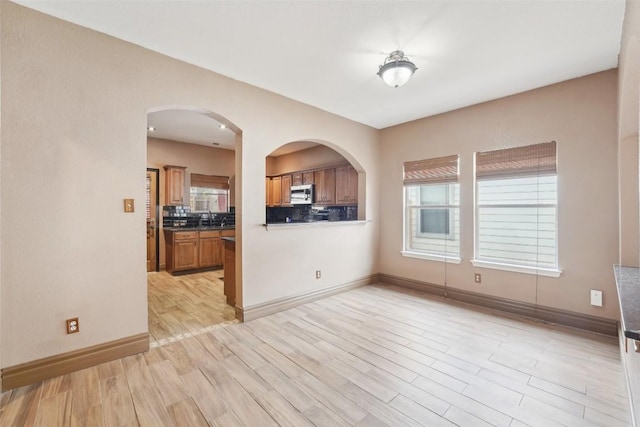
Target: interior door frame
157	208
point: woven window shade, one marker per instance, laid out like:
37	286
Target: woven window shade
431	171
210	181
531	160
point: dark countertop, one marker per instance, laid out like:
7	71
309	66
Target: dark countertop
229	239
628	283
203	228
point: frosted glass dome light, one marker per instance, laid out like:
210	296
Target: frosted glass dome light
397	69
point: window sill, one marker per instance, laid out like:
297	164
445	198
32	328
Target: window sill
549	272
439	258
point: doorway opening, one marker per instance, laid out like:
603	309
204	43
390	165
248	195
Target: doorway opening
193	152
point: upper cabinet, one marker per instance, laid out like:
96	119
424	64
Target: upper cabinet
267	191
325	181
276	191
346	186
336	186
174	185
286	190
302	178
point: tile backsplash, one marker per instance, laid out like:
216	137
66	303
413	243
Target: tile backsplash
181	216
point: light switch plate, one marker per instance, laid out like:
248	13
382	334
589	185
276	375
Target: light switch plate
128	205
596	298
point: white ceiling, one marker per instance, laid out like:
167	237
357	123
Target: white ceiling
327	53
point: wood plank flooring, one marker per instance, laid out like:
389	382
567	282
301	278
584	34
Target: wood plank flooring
374	356
188	305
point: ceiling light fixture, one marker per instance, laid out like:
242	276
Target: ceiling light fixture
151	128
397	69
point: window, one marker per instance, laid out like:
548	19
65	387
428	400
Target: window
432	209
209	193
436	221
517	204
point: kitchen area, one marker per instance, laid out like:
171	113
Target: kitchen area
313	185
200	240
188	222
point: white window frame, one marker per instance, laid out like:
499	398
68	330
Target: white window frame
509	265
410	253
449	195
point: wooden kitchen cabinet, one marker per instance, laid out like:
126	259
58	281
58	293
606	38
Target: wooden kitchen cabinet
174	184
210	249
346	186
276	191
307	178
182	253
267	192
225	233
192	250
301	178
286	190
325	181
230	271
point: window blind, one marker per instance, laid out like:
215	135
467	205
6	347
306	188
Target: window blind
517	200
431	171
530	160
210	181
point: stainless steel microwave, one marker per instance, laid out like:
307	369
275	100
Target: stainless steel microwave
302	194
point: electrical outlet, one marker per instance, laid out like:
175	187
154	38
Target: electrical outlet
478	278
596	298
73	325
318	274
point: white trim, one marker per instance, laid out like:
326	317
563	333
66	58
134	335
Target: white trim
430	257
549	272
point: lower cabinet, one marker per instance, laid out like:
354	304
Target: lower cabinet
230	271
210	249
192	250
184	251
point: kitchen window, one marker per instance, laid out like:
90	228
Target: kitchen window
209	193
432	209
517	209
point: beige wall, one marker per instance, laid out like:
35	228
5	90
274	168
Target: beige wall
311	158
628	122
628	94
581	116
196	158
74	109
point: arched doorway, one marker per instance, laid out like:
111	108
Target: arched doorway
193	151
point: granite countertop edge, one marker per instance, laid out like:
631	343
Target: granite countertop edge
628	286
203	228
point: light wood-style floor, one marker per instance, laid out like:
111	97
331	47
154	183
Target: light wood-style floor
182	306
374	356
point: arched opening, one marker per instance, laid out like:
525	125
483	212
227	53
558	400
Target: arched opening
191	171
311	181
